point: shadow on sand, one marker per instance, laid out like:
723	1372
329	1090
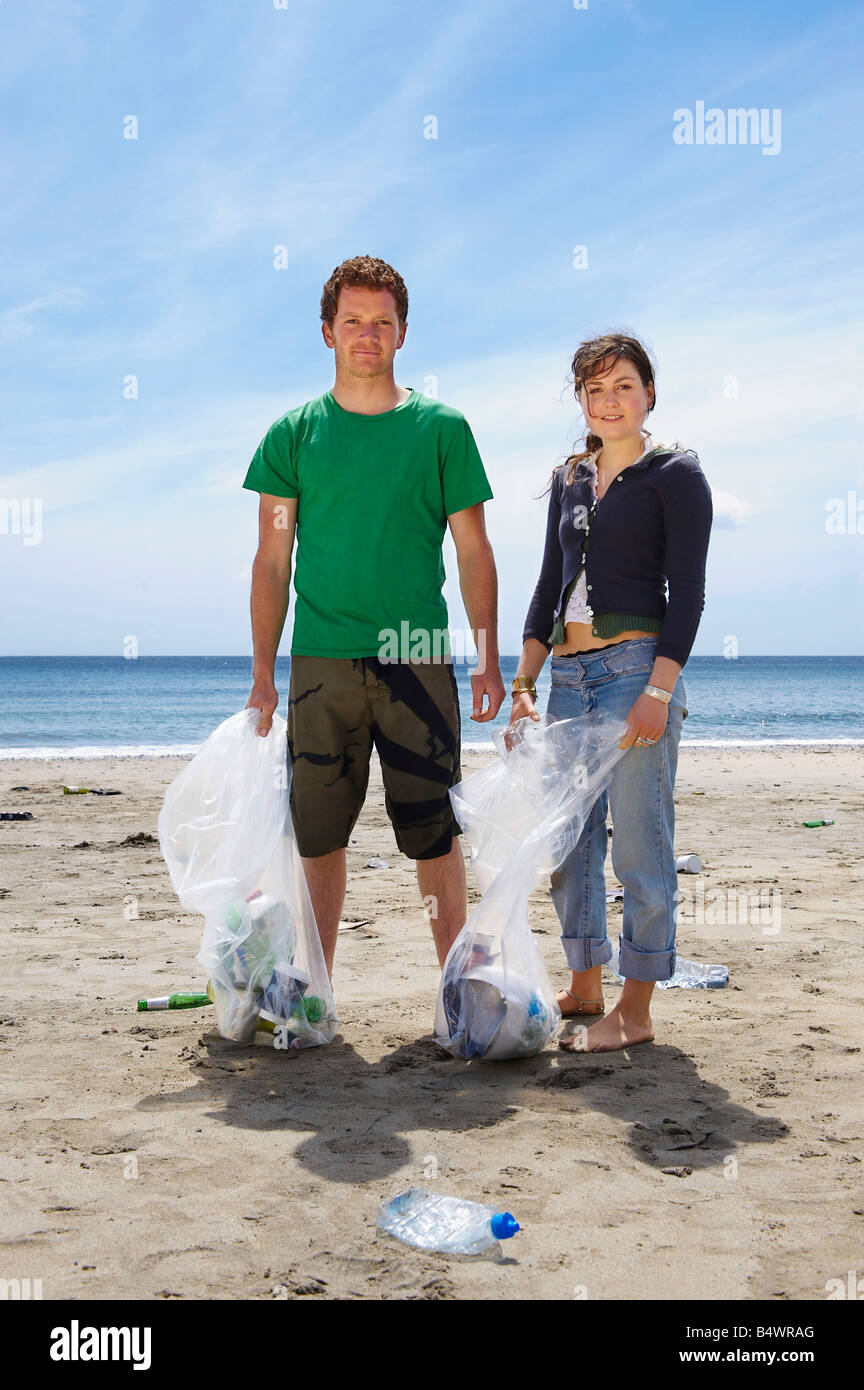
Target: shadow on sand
675	1119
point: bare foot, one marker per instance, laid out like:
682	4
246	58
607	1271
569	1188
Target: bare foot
611	1033
571	1007
584	995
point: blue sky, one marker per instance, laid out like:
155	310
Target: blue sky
304	127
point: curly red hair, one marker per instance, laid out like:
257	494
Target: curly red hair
368	272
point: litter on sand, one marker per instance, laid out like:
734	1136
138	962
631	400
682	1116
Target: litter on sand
175	1001
92	791
449	1224
688	864
689	974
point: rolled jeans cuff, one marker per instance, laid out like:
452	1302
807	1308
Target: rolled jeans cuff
644	965
584	952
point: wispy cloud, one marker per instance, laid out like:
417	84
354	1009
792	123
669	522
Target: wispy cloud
23	320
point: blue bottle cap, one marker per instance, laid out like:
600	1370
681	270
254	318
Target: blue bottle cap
503	1225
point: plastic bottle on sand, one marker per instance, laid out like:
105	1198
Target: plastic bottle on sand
689	974
692	974
449	1224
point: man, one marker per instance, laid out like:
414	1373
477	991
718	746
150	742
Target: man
370	474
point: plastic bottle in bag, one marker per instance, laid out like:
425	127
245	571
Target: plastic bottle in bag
449	1224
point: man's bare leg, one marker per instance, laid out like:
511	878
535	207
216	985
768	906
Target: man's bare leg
326	876
443	880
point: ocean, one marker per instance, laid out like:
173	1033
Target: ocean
105	706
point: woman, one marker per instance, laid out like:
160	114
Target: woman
626	516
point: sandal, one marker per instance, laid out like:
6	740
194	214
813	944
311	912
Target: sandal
586	1006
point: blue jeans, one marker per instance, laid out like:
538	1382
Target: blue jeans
641	799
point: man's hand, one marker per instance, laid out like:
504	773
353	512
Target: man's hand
264	697
487	683
479	584
271	576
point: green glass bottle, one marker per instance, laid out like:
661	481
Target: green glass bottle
175	1001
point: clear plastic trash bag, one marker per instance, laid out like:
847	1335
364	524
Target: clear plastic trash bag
522	815
226	834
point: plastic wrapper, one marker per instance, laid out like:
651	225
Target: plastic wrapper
227	837
522	815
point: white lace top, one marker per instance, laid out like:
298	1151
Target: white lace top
578	608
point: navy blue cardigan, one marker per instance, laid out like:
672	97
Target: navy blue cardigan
651	527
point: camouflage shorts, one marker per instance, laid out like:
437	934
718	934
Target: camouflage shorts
338	709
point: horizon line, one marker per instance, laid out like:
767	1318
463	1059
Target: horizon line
286	656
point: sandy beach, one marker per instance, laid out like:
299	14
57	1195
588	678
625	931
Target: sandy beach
145	1157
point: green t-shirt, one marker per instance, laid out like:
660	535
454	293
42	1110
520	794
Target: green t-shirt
374	493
